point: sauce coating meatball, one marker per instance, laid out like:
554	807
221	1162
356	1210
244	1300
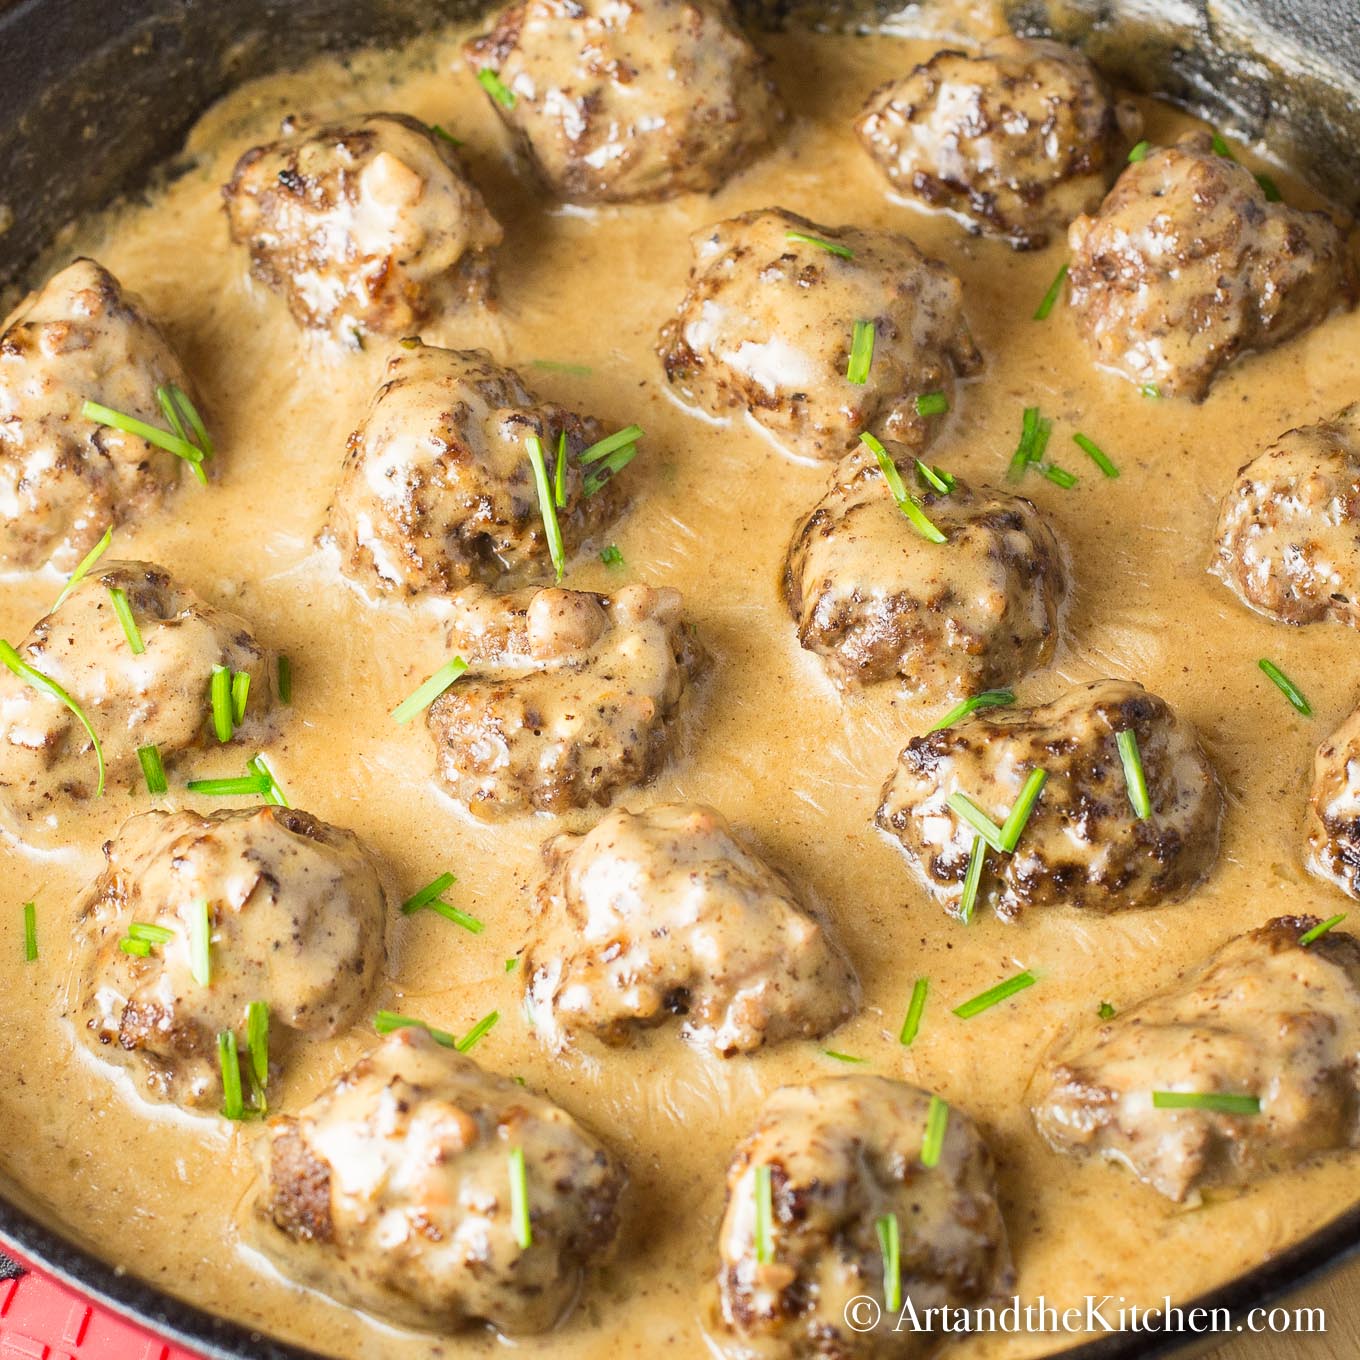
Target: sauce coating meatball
437	490
157	697
1083	845
875	600
767	327
841	1154
1186	266
364	226
613	100
1267	1018
296	913
64	479
1333	821
572	698
1015	141
394	1190
664	914
1288	537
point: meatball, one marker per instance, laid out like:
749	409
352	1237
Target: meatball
1333	822
842	1154
1268	1017
1083	845
640	100
64	479
437	490
395	1190
768	327
877	601
579	701
1015	141
1185	266
1288	539
157	697
365	226
665	913
296	915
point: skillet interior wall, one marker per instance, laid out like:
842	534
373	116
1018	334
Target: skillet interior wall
96	93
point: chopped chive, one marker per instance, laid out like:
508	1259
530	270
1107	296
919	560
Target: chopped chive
162	439
1319	930
560	473
1270	189
477	1032
890	1245
546	508
123	609
1139	152
240	695
905	502
861	353
387	1021
511	965
200	943
553	366
273	792
138	948
496	87
1105	1011
1134	778
609	467
176	422
428	893
1093	451
229	1060
916	1007
1286	687
519	1200
1059	476
219	691
937	1123
1218	1101
932	478
1023	455
285	680
153	769
989	698
30	931
1151	390
445	135
86	562
38	680
831	247
150	932
245	786
843	1057
429	897
457	916
1045	307
428	692
257	1048
764	1227
1221	147
977	819
1014	825
932	404
611	443
190	413
611	556
993	995
972	880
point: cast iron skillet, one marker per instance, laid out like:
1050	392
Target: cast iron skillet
94	94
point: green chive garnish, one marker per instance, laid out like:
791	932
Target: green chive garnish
546	508
273	791
1217	1101
519	1200
890	1245
161	439
1014	825
285	680
140	949
611	443
229	1060
1093	452
1151	390
1041	313
932	478
86	562
937	1122
553	366
916	1008
190	413
257	1047
30	932
972	880
609	467
175	419
842	1057
219	690
150	932
240	695
153	769
200	943
993	995
429	691
246	786
1270	189
428	893
861	353
1139	152
1319	930
964	806
1059	476
511	965
445	135
611	556
1221	147
905	502
932	404
496	87
387	1021
831	247
764	1233
1134	778
38	680
1286	687
560	473
989	698
123	609
429	898
477	1032
1105	1011
1034	433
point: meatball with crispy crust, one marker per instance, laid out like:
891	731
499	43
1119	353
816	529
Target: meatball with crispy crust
1186	266
1333	822
841	1155
1288	539
617	100
768	324
366	226
1269	1022
664	914
572	697
396	1191
296	913
64	478
1083	844
1015	141
156	697
876	600
437	489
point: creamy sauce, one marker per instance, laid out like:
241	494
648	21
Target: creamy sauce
769	742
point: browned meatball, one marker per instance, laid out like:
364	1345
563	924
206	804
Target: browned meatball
1288	539
364	226
642	99
664	914
1267	1018
572	698
394	1191
158	697
841	1155
64	479
1333	824
296	915
1186	266
767	327
1015	141
437	490
875	600
1083	845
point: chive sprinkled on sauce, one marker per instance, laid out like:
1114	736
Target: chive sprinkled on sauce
1139	152
229	1060
38	680
1270	189
1105	1011
1286	687
161	439
861	353
609	468
1221	147
273	791
1014	825
937	1123
200	942
611	443
86	562
153	769
30	932
285	680
428	893
977	819
1030	449
123	609
972	880
831	247
219	695
241	786
496	87
150	932
906	503
932	404
428	898
1134	778
1151	390
556	366
511	965
240	696
890	1247
1219	1102
932	478
387	1021
611	556
560	473
1093	451
445	135
546	506
1322	927
1059	476
429	691
257	1050
478	1032
764	1224
519	1200
1045	307
916	1008
989	698
138	948
842	1057
993	996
